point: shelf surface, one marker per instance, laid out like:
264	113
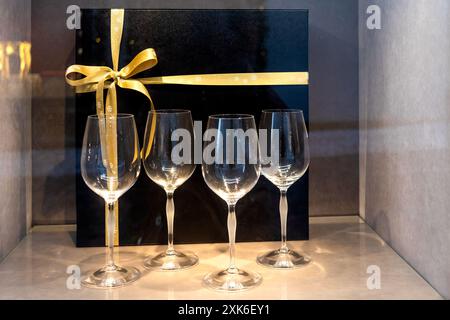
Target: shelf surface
342	249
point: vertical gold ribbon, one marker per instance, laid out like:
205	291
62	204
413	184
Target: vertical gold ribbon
111	124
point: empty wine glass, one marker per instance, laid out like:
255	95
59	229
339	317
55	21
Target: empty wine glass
169	163
231	168
289	159
110	165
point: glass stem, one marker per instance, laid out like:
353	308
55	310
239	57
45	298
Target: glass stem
283	220
232	236
111	227
170	213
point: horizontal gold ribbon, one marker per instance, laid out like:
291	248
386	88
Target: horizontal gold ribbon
219	79
98	78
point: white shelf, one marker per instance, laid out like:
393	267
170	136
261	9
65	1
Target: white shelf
341	248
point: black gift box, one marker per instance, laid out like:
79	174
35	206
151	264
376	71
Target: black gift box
196	42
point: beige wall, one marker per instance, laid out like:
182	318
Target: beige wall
405	136
15	133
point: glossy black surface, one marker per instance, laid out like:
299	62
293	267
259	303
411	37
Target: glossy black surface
197	42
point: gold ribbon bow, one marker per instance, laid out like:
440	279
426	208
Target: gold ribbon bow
99	78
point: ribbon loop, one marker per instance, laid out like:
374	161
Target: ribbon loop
144	60
89	74
95	78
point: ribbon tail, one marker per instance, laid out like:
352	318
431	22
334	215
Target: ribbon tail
136	85
101	121
111	136
112	154
150	137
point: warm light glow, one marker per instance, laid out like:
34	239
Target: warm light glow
20	48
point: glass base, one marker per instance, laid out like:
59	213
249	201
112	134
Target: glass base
171	260
108	277
237	280
283	259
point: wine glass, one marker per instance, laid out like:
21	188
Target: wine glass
110	165
231	168
289	159
169	163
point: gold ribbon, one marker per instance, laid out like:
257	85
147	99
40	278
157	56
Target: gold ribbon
98	78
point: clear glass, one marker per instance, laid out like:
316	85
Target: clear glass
110	172
283	169
231	168
169	171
